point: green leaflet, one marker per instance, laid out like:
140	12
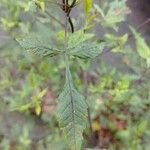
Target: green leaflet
117	43
72	113
79	45
78	38
88	50
142	48
38	46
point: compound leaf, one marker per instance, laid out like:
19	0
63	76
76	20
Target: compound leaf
72	114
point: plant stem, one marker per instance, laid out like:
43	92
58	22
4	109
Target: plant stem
66	58
86	95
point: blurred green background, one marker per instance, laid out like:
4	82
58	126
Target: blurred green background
116	85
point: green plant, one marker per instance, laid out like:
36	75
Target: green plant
114	92
72	109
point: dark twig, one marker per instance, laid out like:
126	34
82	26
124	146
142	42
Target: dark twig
71	25
73	4
67	9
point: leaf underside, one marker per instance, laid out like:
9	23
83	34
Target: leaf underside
88	50
36	45
80	45
72	114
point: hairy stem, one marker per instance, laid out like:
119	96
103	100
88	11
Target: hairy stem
66	42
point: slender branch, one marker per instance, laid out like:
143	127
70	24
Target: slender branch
86	97
67	9
73	3
54	18
66	42
85	74
140	26
143	24
71	25
68	14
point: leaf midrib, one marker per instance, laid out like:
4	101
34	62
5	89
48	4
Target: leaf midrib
72	105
